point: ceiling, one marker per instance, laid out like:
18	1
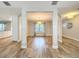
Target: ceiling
42	16
15	8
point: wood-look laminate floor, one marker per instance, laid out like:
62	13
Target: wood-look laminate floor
39	47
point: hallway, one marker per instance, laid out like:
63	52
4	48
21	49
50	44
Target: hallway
69	48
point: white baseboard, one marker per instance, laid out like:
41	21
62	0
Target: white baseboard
70	37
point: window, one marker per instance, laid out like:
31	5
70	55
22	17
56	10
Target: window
39	27
1	27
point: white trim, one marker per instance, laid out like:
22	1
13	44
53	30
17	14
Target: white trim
70	37
39	8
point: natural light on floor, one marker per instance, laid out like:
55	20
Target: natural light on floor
39	42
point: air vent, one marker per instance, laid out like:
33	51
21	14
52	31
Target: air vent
54	2
6	3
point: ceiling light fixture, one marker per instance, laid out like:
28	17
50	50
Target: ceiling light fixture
39	22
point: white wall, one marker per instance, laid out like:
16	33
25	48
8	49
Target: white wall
19	28
48	28
73	33
15	28
30	28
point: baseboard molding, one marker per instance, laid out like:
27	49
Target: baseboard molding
70	37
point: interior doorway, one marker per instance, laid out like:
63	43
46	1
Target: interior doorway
39	24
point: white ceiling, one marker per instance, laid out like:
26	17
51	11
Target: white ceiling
15	8
42	16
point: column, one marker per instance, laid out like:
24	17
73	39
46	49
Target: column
15	30
55	28
23	30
